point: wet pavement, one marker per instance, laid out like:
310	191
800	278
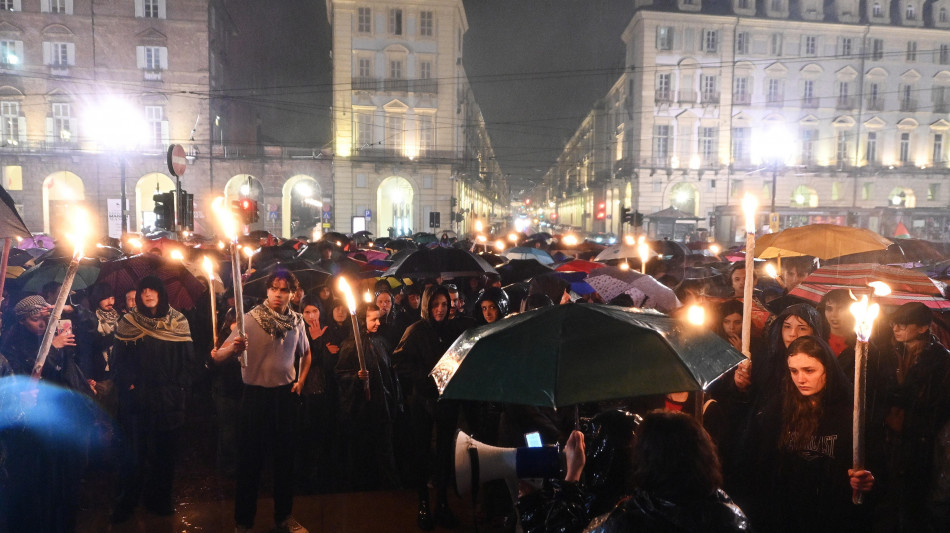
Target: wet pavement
205	498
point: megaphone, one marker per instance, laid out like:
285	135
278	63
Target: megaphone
477	462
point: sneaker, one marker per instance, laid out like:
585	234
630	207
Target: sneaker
290	525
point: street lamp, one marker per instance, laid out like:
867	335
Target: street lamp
118	126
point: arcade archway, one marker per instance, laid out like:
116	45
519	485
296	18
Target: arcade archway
145	189
61	191
394	200
300	206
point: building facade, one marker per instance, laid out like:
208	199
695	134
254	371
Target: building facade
410	146
827	112
93	93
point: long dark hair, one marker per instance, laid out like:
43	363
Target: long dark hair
428	296
675	458
802	414
157	285
837	297
726	308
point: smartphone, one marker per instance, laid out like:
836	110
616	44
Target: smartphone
64	325
533	439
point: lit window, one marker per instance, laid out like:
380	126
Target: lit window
10	52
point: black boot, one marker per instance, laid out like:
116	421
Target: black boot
424	519
444	516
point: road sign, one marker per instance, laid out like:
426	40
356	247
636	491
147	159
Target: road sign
177	162
773	222
368	214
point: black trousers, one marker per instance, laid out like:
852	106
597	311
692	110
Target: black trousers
147	466
265	427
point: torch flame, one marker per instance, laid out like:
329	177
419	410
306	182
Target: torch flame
864	315
714	249
499	245
624	266
749	205
696	315
177	255
570	240
770	270
629	240
348	295
208	267
478	225
225	218
81	225
248	251
880	288
482	239
513	237
368	297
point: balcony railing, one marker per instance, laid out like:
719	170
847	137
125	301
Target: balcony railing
742	98
875	104
908	104
59	70
152	75
364	84
811	102
710	98
425	86
775	100
662	96
686	97
844	102
396	85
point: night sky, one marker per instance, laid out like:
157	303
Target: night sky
536	67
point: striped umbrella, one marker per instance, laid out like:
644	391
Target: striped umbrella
907	285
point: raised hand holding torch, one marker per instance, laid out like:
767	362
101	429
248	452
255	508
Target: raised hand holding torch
864	315
357	339
229	226
81	223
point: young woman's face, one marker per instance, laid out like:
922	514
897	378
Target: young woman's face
808	374
439	307
908	332
793	328
490	311
738	282
839	317
339	314
732	324
311	314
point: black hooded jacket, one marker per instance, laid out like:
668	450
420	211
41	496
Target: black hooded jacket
152	374
422	346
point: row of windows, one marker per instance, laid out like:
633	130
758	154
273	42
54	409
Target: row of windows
707	147
143	8
60	55
878	9
395	22
396	136
396	71
778	45
844	97
62	125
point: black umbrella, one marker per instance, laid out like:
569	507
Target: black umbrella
577	353
436	262
11	225
520	270
309	276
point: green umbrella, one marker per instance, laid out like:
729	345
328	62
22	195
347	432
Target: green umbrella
577	353
54	269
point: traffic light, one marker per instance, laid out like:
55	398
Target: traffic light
601	211
246	208
164	210
626	216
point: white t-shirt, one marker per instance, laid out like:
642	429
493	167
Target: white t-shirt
270	361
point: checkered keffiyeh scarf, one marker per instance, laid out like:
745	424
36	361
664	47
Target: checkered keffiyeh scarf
273	323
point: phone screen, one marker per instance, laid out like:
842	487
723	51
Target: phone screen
533	439
64	325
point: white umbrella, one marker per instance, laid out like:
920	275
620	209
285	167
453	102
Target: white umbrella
524	252
646	292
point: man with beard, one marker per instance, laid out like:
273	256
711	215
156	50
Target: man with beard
100	334
276	338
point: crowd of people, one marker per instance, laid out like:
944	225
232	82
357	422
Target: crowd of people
337	408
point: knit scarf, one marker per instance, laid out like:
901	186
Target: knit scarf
273	323
172	327
107	321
